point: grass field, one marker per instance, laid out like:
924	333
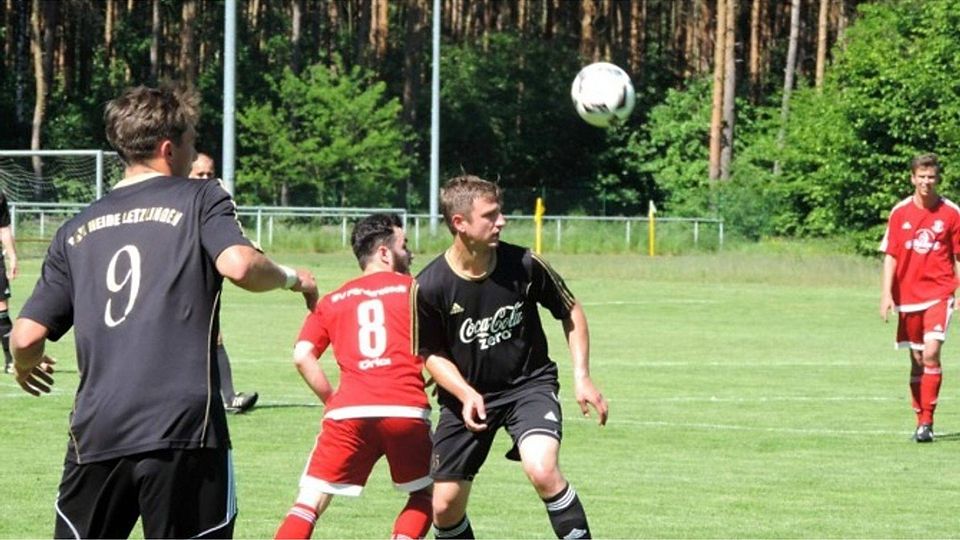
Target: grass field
753	393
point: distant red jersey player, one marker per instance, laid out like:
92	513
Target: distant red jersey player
922	244
380	408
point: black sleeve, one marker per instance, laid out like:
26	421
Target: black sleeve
548	288
4	211
219	226
51	303
431	335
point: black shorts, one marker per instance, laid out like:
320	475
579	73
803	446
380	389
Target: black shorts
458	452
4	282
178	493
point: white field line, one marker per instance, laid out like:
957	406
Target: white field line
754	399
762	429
652	302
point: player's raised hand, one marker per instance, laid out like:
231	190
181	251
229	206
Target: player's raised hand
37	379
586	394
307	285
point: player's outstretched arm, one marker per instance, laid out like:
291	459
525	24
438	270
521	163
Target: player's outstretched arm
306	361
448	377
578	339
249	269
32	368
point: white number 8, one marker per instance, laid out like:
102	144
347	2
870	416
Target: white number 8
372	336
132	277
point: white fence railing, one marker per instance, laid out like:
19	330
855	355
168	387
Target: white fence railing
265	218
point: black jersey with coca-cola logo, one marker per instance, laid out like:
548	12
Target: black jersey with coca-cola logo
490	327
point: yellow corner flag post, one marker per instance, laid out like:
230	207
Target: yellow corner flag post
538	224
651	229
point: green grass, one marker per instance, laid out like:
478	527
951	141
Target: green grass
753	393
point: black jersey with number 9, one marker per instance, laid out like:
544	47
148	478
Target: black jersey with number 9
134	275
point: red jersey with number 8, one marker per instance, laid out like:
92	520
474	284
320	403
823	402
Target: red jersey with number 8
925	242
371	323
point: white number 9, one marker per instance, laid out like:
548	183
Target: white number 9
132	277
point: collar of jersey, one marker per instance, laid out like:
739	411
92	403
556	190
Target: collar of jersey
493	265
136	179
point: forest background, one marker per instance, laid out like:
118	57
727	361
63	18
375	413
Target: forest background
793	118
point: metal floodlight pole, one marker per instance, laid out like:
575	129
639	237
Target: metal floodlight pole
435	122
229	92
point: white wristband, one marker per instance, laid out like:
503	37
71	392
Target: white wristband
292	277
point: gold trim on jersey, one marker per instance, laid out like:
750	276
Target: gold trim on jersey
447	256
414	321
568	298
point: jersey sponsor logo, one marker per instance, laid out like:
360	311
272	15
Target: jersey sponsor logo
371	363
356	291
492	330
924	242
456	308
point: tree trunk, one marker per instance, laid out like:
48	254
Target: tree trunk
716	118
729	90
379	28
635	45
822	43
40	85
49	21
588	43
788	74
22	59
188	66
155	42
756	13
415	37
108	33
296	22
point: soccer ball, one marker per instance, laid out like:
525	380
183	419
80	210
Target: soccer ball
603	94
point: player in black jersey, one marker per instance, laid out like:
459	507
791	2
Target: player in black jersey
138	277
235	402
481	336
8	272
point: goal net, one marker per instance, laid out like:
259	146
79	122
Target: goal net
58	176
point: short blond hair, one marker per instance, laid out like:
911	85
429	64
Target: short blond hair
143	117
458	194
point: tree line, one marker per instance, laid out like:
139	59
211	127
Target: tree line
738	100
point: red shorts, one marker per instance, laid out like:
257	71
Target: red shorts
346	451
917	327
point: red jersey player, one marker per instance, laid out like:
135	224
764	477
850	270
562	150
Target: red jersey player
380	407
922	243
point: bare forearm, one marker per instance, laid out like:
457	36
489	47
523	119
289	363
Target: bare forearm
448	377
315	379
251	270
578	340
27	343
889	270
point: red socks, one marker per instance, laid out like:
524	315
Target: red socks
929	392
415	518
298	523
915	393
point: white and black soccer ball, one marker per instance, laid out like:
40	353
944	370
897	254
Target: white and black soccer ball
603	94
